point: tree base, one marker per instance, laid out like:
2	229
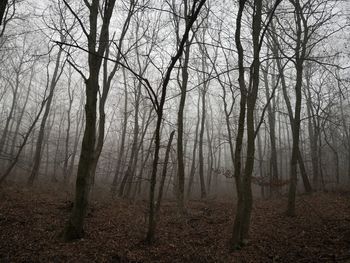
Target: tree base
235	246
71	233
290	213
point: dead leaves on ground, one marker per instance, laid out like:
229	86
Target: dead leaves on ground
31	220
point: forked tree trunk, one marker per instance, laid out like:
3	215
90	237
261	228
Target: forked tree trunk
249	94
159	110
300	51
180	119
300	161
75	224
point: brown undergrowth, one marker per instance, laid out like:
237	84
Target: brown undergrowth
30	221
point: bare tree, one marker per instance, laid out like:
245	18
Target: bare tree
195	10
53	83
97	45
247	108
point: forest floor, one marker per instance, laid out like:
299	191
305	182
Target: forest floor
31	220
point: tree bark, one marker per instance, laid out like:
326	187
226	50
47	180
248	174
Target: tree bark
74	226
194	151
3	6
164	172
122	142
159	110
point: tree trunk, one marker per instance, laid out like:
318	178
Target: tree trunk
74	226
3	6
38	150
164	172
194	151
14	102
159	110
130	170
300	161
122	142
271	120
66	155
22	145
29	88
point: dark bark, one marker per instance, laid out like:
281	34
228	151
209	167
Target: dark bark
122	142
300	161
56	159
200	143
3	6
300	52
210	155
197	6
247	108
66	154
163	176
237	235
314	131
78	131
194	151
180	131
87	160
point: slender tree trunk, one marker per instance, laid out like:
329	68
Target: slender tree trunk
56	162
204	89
271	120
15	89
210	156
237	232
38	150
130	170
164	172
29	88
180	118
22	145
194	151
78	132
143	165
159	110
66	155
300	54
200	143
300	161
249	94
180	131
313	132
122	142
261	161
47	142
